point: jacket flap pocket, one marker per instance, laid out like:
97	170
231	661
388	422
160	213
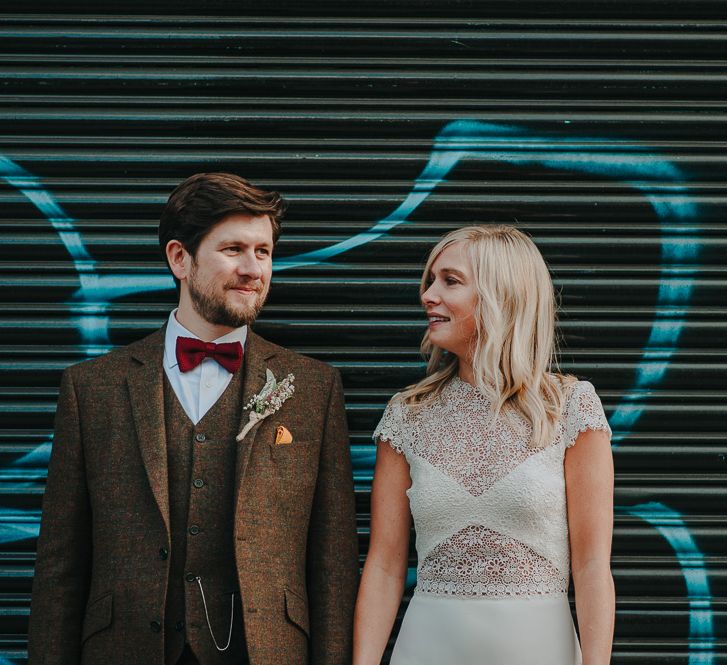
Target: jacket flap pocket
99	614
296	608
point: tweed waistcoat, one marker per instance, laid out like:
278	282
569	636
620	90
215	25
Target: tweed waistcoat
201	461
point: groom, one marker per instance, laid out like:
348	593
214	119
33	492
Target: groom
167	537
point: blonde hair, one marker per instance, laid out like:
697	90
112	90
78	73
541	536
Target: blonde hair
513	351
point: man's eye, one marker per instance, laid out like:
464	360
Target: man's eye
231	249
263	251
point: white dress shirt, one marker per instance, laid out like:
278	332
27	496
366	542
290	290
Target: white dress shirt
198	389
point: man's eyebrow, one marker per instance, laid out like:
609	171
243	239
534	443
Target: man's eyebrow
232	241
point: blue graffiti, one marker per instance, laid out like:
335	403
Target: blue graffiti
37	458
657	179
93	325
671	526
17	525
466	139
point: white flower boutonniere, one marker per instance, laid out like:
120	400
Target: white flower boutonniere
268	400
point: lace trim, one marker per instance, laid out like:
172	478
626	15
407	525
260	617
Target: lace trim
480	562
391	427
583	412
399	425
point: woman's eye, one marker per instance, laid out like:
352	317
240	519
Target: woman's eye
452	280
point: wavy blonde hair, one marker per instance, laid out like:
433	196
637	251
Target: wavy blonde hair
513	351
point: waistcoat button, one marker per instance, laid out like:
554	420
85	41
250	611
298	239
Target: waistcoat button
189	577
200	438
198	482
194	529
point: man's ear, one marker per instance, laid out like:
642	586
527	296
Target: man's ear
179	259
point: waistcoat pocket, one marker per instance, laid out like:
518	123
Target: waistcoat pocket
296	608
99	614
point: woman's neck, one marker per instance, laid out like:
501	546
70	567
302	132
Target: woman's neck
465	372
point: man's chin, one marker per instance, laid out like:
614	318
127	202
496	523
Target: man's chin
243	315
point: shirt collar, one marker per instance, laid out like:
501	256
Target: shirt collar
176	329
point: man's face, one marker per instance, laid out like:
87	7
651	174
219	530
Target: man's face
229	277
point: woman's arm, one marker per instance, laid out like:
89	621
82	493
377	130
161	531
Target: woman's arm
384	573
589	489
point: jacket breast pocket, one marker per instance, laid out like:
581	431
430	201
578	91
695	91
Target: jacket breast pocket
99	615
294	458
295	466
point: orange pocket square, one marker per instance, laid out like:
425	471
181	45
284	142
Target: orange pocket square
282	436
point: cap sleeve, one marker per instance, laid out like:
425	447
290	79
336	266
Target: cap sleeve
584	411
391	426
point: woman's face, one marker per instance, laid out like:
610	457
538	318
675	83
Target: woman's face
450	301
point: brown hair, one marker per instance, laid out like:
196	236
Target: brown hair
205	199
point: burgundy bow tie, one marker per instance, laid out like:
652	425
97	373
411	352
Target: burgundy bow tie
191	352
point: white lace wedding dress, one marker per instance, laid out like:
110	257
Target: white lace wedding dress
492	531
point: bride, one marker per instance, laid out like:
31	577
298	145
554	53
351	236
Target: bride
505	466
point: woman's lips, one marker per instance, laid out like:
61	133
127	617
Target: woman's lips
436	320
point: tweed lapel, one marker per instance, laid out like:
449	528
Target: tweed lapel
257	353
146	390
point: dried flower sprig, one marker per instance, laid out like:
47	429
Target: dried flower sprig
268	400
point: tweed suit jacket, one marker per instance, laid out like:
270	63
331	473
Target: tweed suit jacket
101	573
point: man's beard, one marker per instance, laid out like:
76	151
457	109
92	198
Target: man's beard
214	309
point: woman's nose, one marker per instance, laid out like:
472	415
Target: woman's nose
430	297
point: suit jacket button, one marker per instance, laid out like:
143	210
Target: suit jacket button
179	626
163	553
189	577
156	626
194	529
200	438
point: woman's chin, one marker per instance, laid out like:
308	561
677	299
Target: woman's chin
444	342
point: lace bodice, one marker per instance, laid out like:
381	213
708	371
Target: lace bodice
489	511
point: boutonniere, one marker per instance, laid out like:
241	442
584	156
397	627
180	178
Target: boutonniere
268	400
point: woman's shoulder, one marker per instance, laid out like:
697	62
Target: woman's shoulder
396	405
571	386
582	409
579	391
392	426
402	418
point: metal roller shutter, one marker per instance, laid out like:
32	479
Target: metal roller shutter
598	127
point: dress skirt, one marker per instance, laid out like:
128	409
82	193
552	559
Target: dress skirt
448	630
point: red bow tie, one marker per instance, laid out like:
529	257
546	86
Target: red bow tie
191	352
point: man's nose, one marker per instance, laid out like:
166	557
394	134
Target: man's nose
249	266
